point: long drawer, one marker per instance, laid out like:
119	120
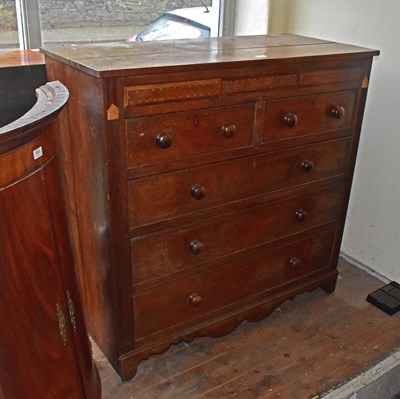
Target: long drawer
158	139
158	255
169	195
304	116
182	302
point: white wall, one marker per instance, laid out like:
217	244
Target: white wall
372	234
251	17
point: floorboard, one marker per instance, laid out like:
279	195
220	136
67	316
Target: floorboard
304	348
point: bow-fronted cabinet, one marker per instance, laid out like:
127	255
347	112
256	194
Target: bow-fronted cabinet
44	346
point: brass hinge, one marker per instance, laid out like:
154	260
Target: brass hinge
61	324
71	309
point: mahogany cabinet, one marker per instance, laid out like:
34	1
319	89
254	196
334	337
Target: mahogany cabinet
209	179
44	346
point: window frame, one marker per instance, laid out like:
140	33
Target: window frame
227	15
28	21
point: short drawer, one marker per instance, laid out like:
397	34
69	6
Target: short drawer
170	92
172	194
204	294
155	256
303	116
158	139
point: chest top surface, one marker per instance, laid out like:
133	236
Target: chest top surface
123	59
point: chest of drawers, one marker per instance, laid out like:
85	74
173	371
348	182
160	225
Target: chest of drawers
207	180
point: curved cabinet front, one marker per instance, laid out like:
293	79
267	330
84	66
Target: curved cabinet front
44	347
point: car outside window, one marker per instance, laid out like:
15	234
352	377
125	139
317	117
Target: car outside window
171	26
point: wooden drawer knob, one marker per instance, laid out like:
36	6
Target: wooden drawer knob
307	165
338	112
294	262
301	215
198	191
290	120
196	247
229	130
195	299
164	140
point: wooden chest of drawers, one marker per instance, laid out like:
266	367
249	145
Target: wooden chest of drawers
207	180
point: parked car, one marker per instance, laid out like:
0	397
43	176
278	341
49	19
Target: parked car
183	23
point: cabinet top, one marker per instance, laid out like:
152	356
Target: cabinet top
51	97
21	58
123	59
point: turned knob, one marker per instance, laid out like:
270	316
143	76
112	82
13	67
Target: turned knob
301	215
294	262
290	120
229	130
196	247
338	112
195	299
164	140
307	165
198	191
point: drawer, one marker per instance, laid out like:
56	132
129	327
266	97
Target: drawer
304	116
181	302
155	256
163	138
327	73
172	194
151	94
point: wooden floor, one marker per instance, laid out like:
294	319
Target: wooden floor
306	347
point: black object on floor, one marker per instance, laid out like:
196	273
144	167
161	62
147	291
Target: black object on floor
386	298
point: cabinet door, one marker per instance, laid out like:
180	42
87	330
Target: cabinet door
37	355
87	370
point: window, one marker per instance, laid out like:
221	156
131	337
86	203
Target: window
8	26
97	20
82	21
52	21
